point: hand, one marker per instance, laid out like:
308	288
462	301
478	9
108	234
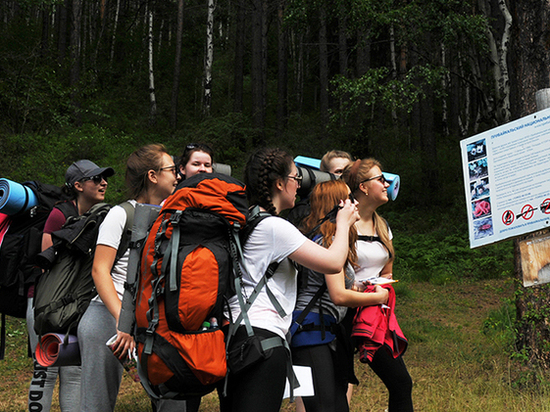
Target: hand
123	345
384	293
360	285
386	275
348	213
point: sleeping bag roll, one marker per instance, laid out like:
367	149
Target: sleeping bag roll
15	197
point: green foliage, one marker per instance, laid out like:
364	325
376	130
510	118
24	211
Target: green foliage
432	246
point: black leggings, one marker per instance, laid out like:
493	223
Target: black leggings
329	378
261	386
395	376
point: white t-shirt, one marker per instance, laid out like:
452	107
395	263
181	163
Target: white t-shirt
110	234
371	258
272	240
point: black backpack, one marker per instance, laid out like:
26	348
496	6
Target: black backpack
64	291
20	245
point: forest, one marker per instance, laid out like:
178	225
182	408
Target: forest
402	81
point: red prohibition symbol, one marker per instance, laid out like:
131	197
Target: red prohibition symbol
527	212
507	217
545	206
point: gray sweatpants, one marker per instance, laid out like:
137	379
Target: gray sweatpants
101	370
43	379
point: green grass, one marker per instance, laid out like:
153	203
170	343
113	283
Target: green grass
460	341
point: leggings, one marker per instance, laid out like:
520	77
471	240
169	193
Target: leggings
395	376
101	370
260	386
329	378
44	378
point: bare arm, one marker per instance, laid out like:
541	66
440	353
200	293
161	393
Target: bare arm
331	260
101	272
387	271
46	241
345	297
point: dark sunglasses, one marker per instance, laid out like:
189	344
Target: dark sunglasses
96	179
380	178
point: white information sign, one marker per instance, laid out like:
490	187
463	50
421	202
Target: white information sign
507	179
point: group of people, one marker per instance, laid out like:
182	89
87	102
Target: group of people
355	244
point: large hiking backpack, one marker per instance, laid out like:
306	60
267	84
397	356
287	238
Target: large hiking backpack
64	291
21	243
186	273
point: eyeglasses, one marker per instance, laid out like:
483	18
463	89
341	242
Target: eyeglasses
298	179
96	179
380	178
171	168
351	197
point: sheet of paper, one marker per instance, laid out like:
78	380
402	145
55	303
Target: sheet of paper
303	373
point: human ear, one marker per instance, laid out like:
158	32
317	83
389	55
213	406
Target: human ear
78	186
152	176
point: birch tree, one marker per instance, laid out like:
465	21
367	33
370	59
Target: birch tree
209	58
152	96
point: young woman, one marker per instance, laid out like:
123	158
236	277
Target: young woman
330	356
375	258
271	183
335	161
196	158
86	183
150	178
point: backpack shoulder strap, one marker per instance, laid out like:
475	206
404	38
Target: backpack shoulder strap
68	208
127	232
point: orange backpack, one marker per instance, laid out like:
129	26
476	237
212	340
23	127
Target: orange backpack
186	274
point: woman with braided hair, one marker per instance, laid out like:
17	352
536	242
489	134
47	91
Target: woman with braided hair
272	180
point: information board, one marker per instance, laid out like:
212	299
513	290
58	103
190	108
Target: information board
507	179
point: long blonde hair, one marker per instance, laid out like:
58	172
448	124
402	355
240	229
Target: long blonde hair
356	173
323	198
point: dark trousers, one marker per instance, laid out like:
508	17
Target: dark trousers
259	387
395	376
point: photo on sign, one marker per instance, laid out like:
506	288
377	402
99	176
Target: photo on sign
535	260
483	227
478	169
476	150
481	208
479	188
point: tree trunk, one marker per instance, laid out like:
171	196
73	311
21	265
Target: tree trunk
258	103
152	96
177	71
239	57
62	31
74	78
531	63
209	58
282	75
323	67
45	43
113	38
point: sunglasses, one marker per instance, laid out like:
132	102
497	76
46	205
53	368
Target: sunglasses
380	178
96	179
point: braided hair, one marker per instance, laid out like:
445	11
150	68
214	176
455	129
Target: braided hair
262	170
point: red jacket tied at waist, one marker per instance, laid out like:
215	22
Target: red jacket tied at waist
377	325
